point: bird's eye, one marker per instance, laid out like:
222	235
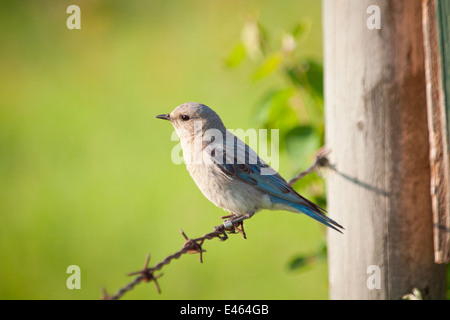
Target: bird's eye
185	117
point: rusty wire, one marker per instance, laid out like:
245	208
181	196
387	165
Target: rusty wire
320	161
230	226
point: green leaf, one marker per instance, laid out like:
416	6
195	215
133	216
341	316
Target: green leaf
262	111
236	56
301	142
314	73
269	66
299	263
301	30
306	261
307	74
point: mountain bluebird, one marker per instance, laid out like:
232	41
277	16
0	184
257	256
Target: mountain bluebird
229	173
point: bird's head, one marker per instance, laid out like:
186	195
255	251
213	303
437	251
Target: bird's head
191	119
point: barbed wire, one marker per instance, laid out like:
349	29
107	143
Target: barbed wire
232	225
320	161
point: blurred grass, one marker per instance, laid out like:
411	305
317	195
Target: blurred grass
86	176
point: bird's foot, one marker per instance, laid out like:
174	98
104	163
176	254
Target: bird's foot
235	223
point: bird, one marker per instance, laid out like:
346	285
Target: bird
229	173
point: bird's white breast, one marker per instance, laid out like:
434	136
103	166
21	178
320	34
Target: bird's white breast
229	193
232	195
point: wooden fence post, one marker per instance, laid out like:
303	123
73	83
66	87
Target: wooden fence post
436	31
377	131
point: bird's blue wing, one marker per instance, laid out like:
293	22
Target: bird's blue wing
244	164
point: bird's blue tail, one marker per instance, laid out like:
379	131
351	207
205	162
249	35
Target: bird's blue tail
312	210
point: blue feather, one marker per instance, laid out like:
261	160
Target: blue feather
274	185
310	211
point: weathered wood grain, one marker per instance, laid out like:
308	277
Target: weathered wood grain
377	130
437	124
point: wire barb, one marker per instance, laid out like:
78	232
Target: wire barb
192	246
234	224
147	274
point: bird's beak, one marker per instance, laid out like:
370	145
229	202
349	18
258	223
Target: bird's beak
164	116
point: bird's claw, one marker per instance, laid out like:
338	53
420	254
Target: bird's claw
235	223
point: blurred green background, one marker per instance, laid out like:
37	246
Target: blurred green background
86	176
